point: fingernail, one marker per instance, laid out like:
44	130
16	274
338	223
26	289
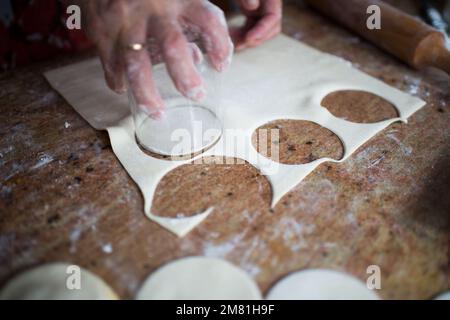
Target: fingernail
157	114
251	3
227	62
196	93
224	65
240	47
121	90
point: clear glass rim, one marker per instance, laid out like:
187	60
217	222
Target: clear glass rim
193	152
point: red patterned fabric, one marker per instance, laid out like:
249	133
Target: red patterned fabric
37	31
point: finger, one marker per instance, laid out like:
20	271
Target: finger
106	42
139	72
238	33
249	5
211	20
237	36
266	37
263	27
178	57
196	53
156	56
112	66
154	51
105	34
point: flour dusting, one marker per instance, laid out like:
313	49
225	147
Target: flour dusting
43	160
107	248
406	150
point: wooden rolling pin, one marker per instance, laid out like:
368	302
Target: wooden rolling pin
402	35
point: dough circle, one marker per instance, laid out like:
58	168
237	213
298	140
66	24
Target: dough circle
199	278
48	282
320	284
443	296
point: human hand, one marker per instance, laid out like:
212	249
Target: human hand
263	23
115	25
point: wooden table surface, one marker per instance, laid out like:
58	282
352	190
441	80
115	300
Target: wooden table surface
65	197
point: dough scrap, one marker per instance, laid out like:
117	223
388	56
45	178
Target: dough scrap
48	282
199	278
320	284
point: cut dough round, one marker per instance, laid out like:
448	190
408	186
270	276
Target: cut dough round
443	296
320	284
199	278
49	282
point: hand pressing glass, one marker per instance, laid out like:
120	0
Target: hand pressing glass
121	29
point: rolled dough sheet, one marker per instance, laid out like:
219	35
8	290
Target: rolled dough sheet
320	284
281	79
199	278
48	282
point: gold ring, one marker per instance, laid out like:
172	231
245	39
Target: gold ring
136	46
